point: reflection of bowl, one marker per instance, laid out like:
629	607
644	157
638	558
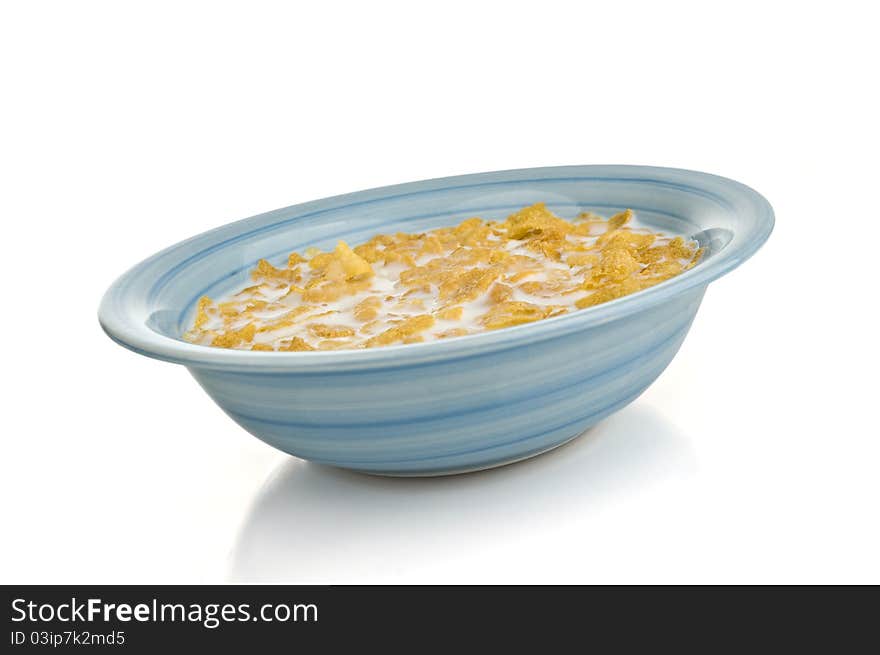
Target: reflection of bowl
459	404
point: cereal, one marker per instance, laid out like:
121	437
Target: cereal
330	331
450	313
508	314
296	344
405	330
412	288
367	309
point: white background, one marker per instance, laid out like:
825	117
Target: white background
127	127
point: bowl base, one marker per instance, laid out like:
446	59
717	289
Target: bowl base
461	471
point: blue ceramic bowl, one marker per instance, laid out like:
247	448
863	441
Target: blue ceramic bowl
460	404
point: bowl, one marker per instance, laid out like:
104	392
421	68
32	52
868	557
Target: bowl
459	404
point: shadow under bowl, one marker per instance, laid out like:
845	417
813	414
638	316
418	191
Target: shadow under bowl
460	404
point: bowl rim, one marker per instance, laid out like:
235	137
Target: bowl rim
131	330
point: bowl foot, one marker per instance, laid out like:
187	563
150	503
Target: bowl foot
466	469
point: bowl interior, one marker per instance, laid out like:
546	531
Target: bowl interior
219	261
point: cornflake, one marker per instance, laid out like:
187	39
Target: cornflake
411	288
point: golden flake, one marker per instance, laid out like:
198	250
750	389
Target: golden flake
483	275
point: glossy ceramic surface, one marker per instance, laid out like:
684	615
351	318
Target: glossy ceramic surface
459	404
